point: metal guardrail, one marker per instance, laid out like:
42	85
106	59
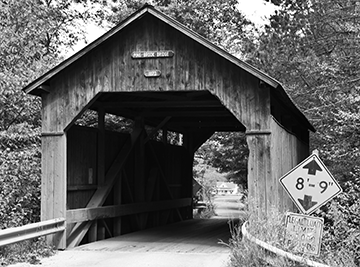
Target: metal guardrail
278	251
21	233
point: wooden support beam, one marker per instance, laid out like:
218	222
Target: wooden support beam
127	185
199	138
101	147
165	136
80	229
103	191
90	214
163	177
162	104
101	231
259	174
151	184
162	174
131	195
154	131
204	121
83	187
188	113
53	183
93	232
107	228
139	170
117	201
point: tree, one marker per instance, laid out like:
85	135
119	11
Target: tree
312	48
228	153
33	33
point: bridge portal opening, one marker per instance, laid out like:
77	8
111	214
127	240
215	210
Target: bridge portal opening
130	160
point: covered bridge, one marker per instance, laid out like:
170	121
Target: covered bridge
166	79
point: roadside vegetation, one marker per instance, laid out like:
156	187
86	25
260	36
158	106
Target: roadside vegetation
31	251
311	47
272	231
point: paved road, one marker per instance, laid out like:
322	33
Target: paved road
229	206
185	244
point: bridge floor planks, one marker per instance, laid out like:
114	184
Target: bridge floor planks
191	236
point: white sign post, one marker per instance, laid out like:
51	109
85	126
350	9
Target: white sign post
310	184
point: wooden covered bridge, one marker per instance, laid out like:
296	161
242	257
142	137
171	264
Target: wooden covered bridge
165	79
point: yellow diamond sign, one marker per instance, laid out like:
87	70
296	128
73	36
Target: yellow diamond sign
310	184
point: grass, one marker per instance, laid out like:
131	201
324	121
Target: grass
272	230
30	251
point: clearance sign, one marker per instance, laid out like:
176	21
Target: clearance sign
310	185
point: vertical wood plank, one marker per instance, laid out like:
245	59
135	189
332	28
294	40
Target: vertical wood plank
47	176
53	204
60	189
101	231
259	173
117	201
101	147
287	151
139	169
252	175
93	231
188	184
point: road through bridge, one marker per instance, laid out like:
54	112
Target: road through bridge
187	243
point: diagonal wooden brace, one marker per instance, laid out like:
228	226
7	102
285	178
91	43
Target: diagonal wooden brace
100	195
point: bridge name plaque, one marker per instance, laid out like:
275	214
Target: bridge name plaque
152	54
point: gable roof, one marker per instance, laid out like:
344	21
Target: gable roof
38	86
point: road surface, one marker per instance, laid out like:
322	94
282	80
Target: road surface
192	243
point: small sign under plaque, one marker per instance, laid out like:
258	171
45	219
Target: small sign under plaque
304	233
152	73
152	54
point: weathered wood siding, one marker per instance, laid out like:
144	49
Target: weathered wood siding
259	173
286	152
82	166
53	182
110	68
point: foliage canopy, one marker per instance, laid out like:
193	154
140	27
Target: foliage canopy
311	47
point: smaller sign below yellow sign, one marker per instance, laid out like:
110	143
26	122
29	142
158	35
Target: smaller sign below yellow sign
303	233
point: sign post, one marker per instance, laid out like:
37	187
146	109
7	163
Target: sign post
310	184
